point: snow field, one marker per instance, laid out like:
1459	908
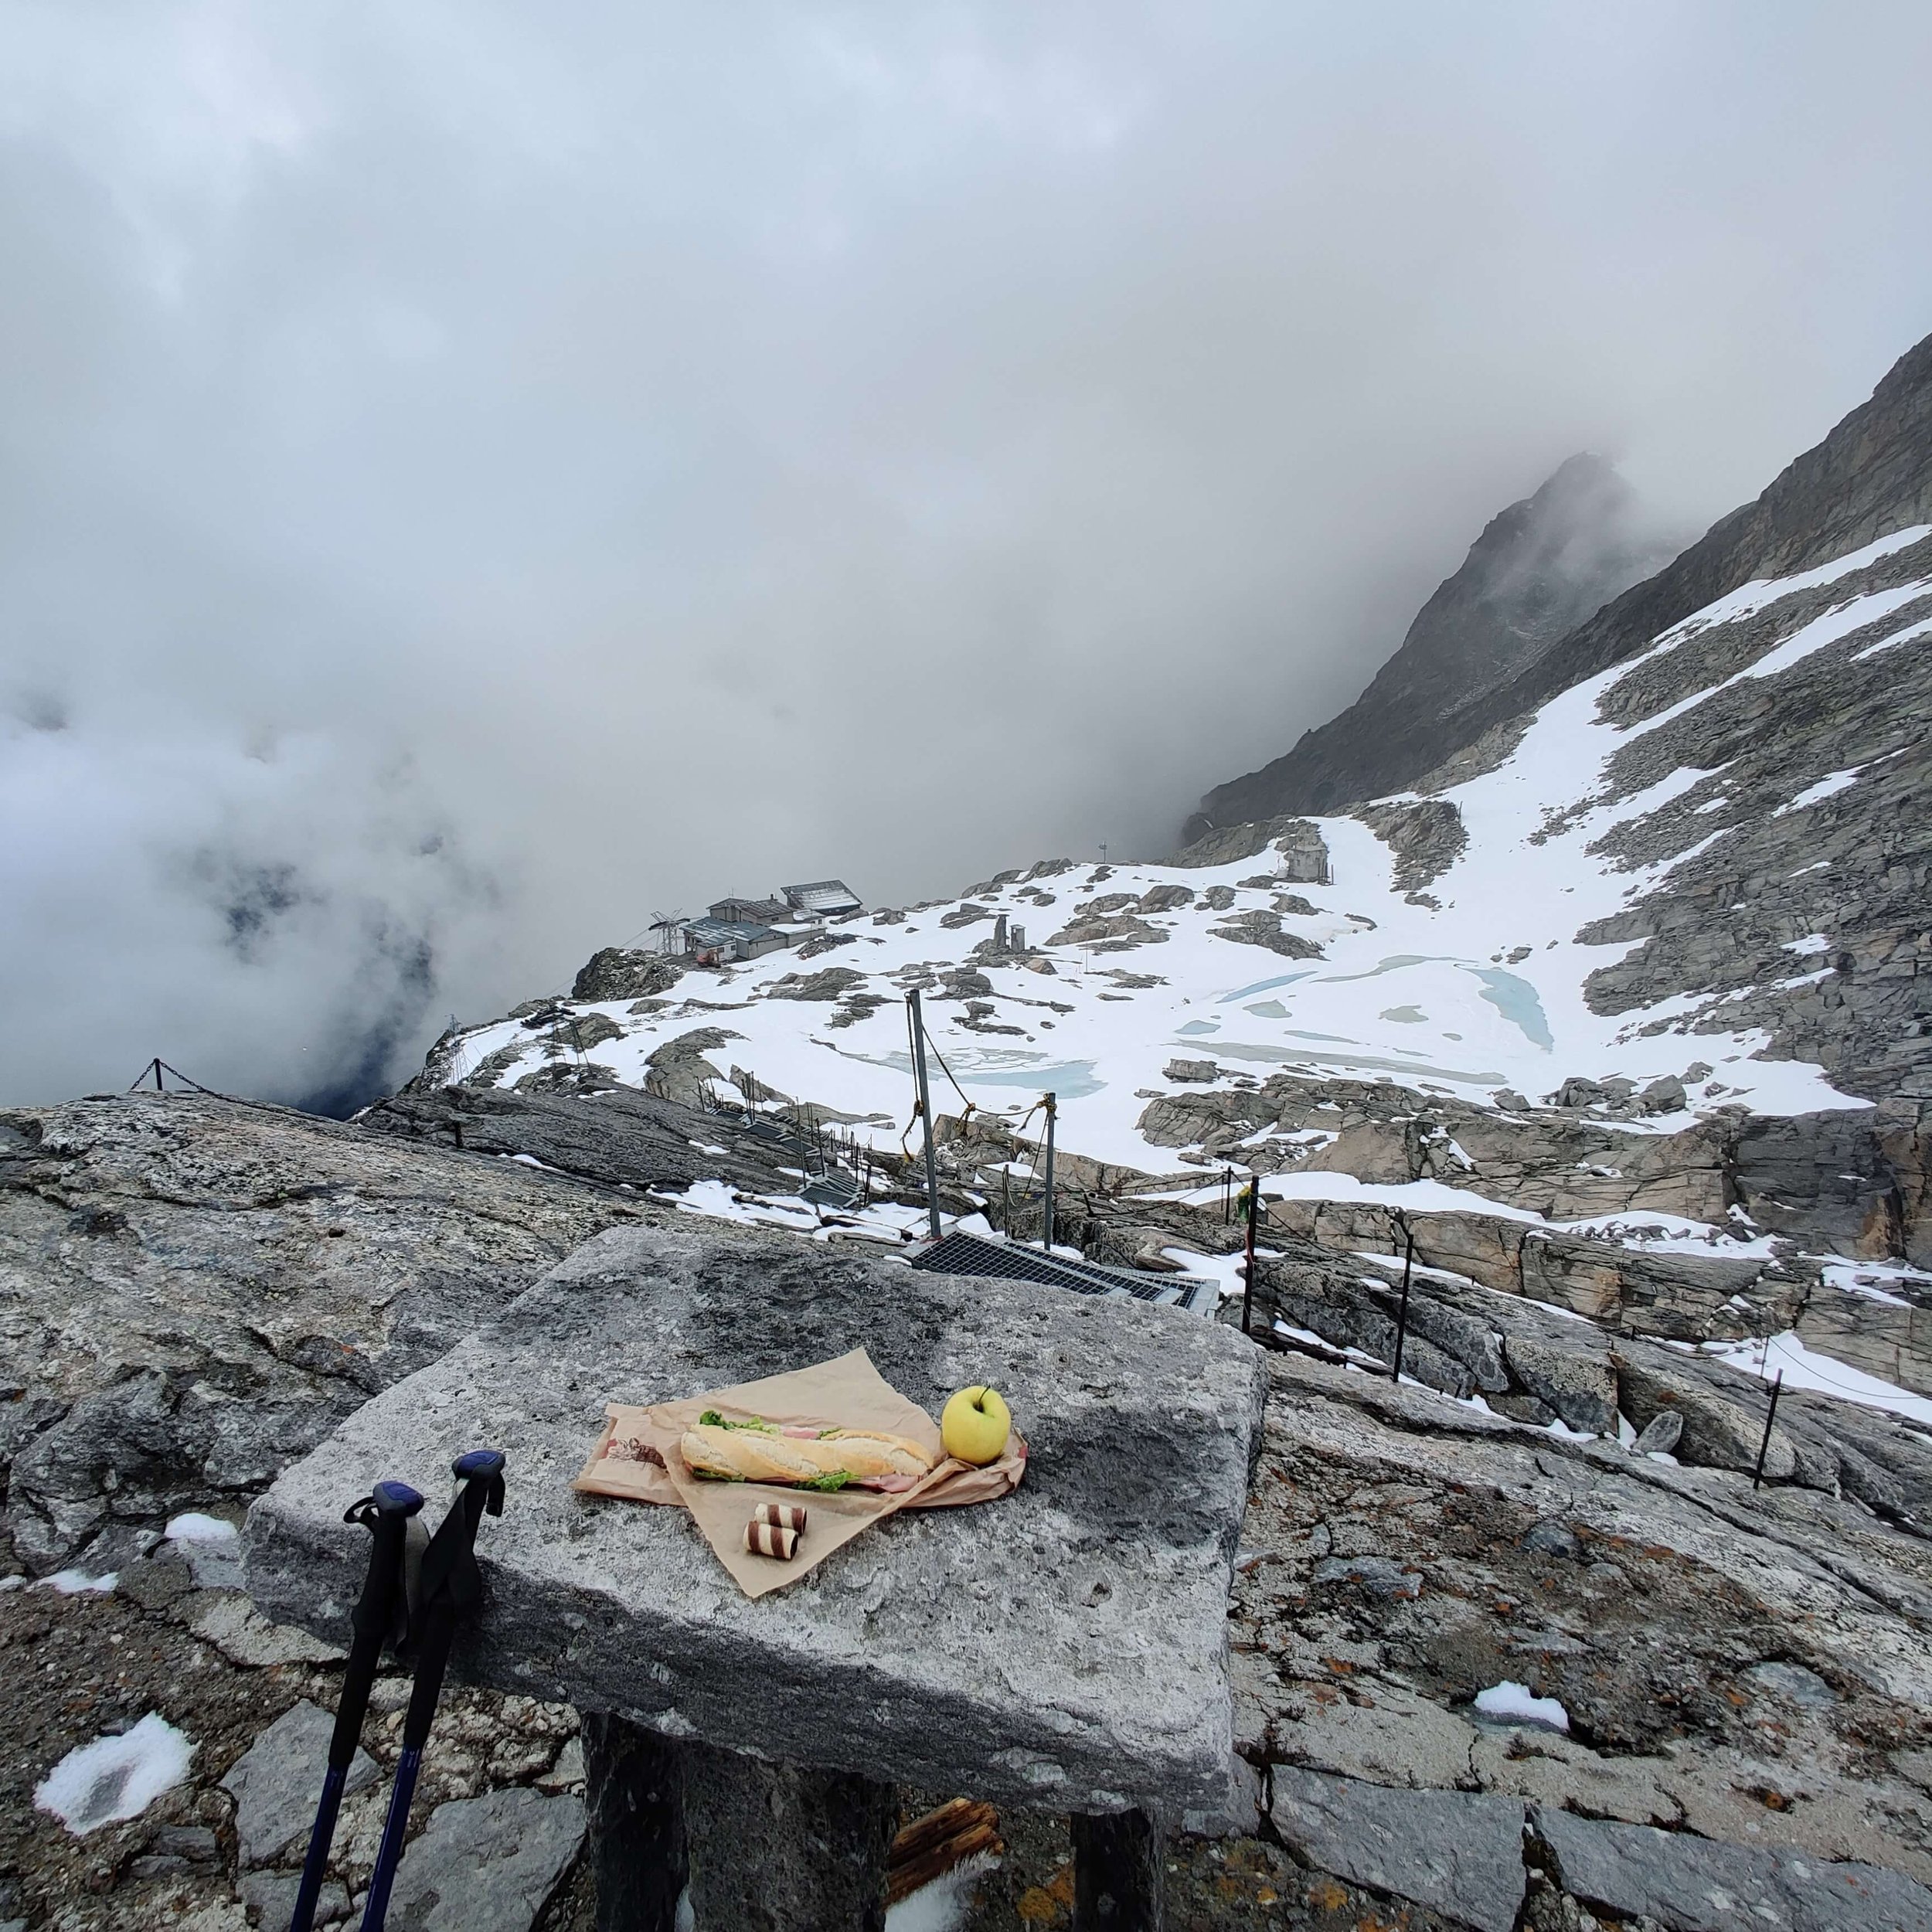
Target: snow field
1482	990
77	1582
193	1527
1804	1368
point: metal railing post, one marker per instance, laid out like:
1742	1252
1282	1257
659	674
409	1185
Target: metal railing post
1248	1267
925	1110
1046	1223
1402	1313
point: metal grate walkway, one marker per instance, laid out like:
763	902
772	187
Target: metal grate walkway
957	1253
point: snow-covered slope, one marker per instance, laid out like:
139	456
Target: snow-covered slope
1471	983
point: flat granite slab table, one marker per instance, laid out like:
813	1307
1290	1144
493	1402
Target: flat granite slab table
1064	1649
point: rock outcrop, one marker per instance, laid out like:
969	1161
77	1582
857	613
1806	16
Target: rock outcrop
1821	1175
1791	877
1301	853
1108	932
1427	837
1732	1727
195	1292
1264	928
828	983
620	972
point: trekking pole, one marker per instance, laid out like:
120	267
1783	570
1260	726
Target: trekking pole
385	1512
450	1589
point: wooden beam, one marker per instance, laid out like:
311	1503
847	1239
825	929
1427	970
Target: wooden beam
931	1846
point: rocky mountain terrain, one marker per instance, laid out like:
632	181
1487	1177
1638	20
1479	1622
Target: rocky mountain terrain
1623	999
1539	569
1488	1021
1589	1074
1544	1502
1867	479
193	1291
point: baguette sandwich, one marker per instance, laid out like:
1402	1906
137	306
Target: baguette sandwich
815	1459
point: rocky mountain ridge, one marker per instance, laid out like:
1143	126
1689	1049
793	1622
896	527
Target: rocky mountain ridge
1870	476
1538	569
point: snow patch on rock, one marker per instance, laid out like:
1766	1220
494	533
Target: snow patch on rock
115	1778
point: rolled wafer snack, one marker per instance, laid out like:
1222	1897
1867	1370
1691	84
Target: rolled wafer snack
770	1539
784	1516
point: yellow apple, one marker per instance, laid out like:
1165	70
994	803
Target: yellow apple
973	1426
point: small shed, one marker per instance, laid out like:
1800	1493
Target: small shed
823	899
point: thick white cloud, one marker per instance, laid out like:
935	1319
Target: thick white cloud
471	476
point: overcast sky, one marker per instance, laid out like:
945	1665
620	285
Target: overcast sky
472	476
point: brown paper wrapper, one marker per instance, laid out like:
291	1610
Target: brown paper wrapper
636	1457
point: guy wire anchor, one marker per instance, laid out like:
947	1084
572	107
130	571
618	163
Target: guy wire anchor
450	1589
385	1513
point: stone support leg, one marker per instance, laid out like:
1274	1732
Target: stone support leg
1120	1873
774	1848
634	1794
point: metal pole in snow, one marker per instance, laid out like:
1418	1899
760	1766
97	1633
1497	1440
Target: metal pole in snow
1770	1415
925	1110
157	1074
1046	1224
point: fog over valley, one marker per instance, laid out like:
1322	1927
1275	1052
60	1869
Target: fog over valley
470	480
